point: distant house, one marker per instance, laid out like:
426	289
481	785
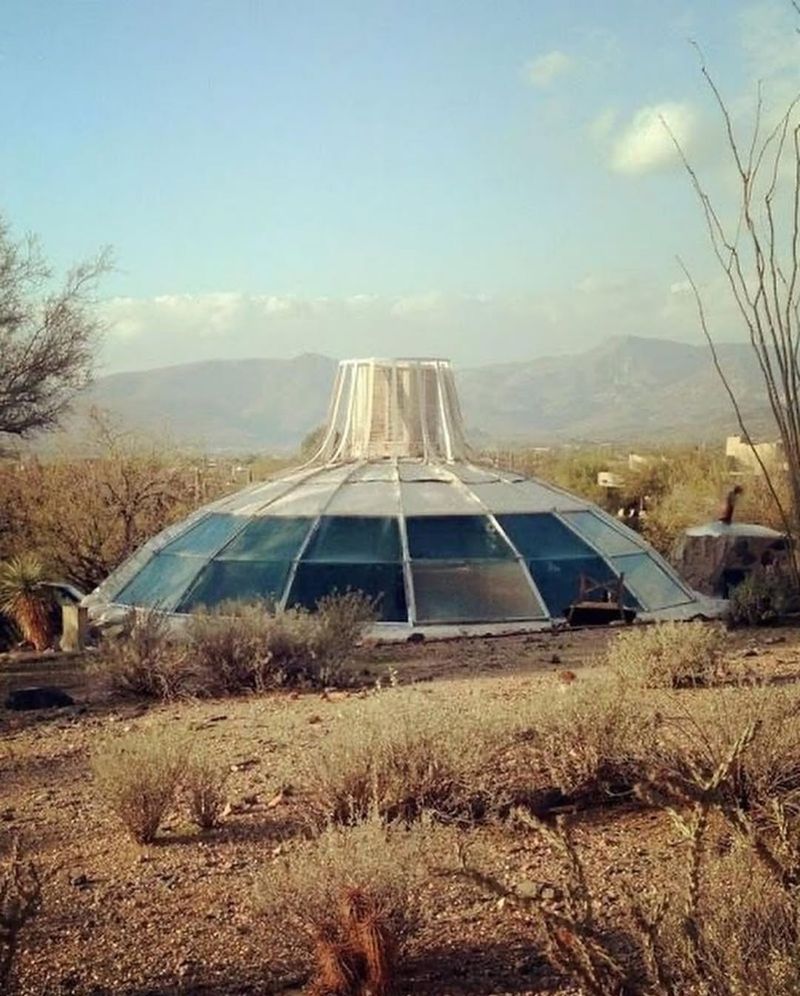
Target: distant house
740	451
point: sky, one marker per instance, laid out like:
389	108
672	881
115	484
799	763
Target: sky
487	181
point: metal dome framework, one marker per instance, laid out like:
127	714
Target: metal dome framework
392	505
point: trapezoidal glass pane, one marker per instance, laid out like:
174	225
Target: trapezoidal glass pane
473	593
355	539
161	582
654	588
607	538
207	536
455	537
559	581
268	538
383	582
543	536
236	581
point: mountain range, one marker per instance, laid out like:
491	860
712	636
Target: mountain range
627	389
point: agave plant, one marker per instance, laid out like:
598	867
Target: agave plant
26	599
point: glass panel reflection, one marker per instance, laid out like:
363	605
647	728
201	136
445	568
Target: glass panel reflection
483	592
607	538
236	580
161	582
542	536
455	537
382	581
355	539
559	580
207	536
653	586
268	538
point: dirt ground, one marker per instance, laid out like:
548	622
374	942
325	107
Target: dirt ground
178	917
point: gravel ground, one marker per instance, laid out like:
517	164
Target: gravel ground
178	917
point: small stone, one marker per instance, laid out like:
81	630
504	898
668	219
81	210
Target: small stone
555	659
315	718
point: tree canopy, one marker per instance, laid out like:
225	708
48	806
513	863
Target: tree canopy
48	334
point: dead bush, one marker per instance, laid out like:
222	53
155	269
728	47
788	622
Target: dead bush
145	662
137	776
700	730
204	782
669	654
20	901
351	895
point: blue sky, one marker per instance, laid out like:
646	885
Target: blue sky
481	180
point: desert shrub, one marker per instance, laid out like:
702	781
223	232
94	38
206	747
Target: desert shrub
341	619
701	732
402	755
351	895
204	781
588	742
145	662
20	900
230	646
762	598
725	923
138	776
241	646
669	654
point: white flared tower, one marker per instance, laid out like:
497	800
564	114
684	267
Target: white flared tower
394	408
393	505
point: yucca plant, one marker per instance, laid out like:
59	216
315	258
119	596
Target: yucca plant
26	599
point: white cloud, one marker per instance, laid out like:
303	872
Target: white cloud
470	328
545	68
645	143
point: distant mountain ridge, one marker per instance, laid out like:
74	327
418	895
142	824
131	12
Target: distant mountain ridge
626	389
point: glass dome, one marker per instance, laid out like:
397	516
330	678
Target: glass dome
435	539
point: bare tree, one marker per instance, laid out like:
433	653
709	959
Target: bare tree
47	335
758	253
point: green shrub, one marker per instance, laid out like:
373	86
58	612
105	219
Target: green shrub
669	654
762	598
138	777
146	662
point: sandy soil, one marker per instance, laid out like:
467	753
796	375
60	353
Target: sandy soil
178	917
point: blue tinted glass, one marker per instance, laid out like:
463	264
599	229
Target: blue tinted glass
654	588
455	537
384	581
480	592
602	534
236	580
273	537
346	539
207	536
559	581
161	582
542	536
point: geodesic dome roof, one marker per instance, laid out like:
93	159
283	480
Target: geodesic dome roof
392	506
